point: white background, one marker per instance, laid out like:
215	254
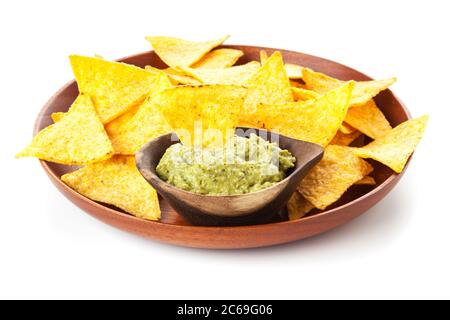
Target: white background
399	249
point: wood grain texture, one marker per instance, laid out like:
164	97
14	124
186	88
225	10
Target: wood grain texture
176	230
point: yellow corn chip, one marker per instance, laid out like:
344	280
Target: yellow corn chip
56	116
114	87
343	139
78	138
211	109
114	127
269	85
176	77
237	75
116	181
394	148
368	119
124	131
219	58
346	128
313	120
293	71
301	94
363	92
366	181
180	78
263	56
298	206
248	125
147	124
296	84
332	176
182	53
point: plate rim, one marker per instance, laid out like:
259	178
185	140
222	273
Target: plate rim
392	179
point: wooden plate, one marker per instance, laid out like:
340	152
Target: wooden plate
175	230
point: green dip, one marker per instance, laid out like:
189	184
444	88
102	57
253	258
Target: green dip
246	165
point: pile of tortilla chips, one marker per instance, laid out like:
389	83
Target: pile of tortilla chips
121	107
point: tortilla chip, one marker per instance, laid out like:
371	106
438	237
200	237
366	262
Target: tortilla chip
248	125
332	176
293	71
366	181
213	109
114	87
296	84
301	94
263	56
394	148
363	92
343	139
78	138
298	206
313	120
269	85
114	127
182	53
56	116
368	119
116	181
176	77
219	58
237	75
346	128
148	123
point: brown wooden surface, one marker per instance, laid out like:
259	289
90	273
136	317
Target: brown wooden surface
174	229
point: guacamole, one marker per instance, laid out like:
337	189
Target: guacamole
243	166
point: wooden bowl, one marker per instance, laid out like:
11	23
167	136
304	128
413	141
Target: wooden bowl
176	230
243	209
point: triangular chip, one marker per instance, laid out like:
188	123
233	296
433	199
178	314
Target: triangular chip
248	125
219	58
296	84
346	128
363	92
129	132
114	127
269	85
56	116
338	170
182	53
176	77
345	139
114	87
368	119
301	94
298	206
212	111
237	75
293	71
116	181
394	148
263	56
366	181
313	120
78	138
147	124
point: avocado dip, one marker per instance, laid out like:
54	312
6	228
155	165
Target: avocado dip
246	165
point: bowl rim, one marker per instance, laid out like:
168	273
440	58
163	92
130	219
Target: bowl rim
394	177
228	196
